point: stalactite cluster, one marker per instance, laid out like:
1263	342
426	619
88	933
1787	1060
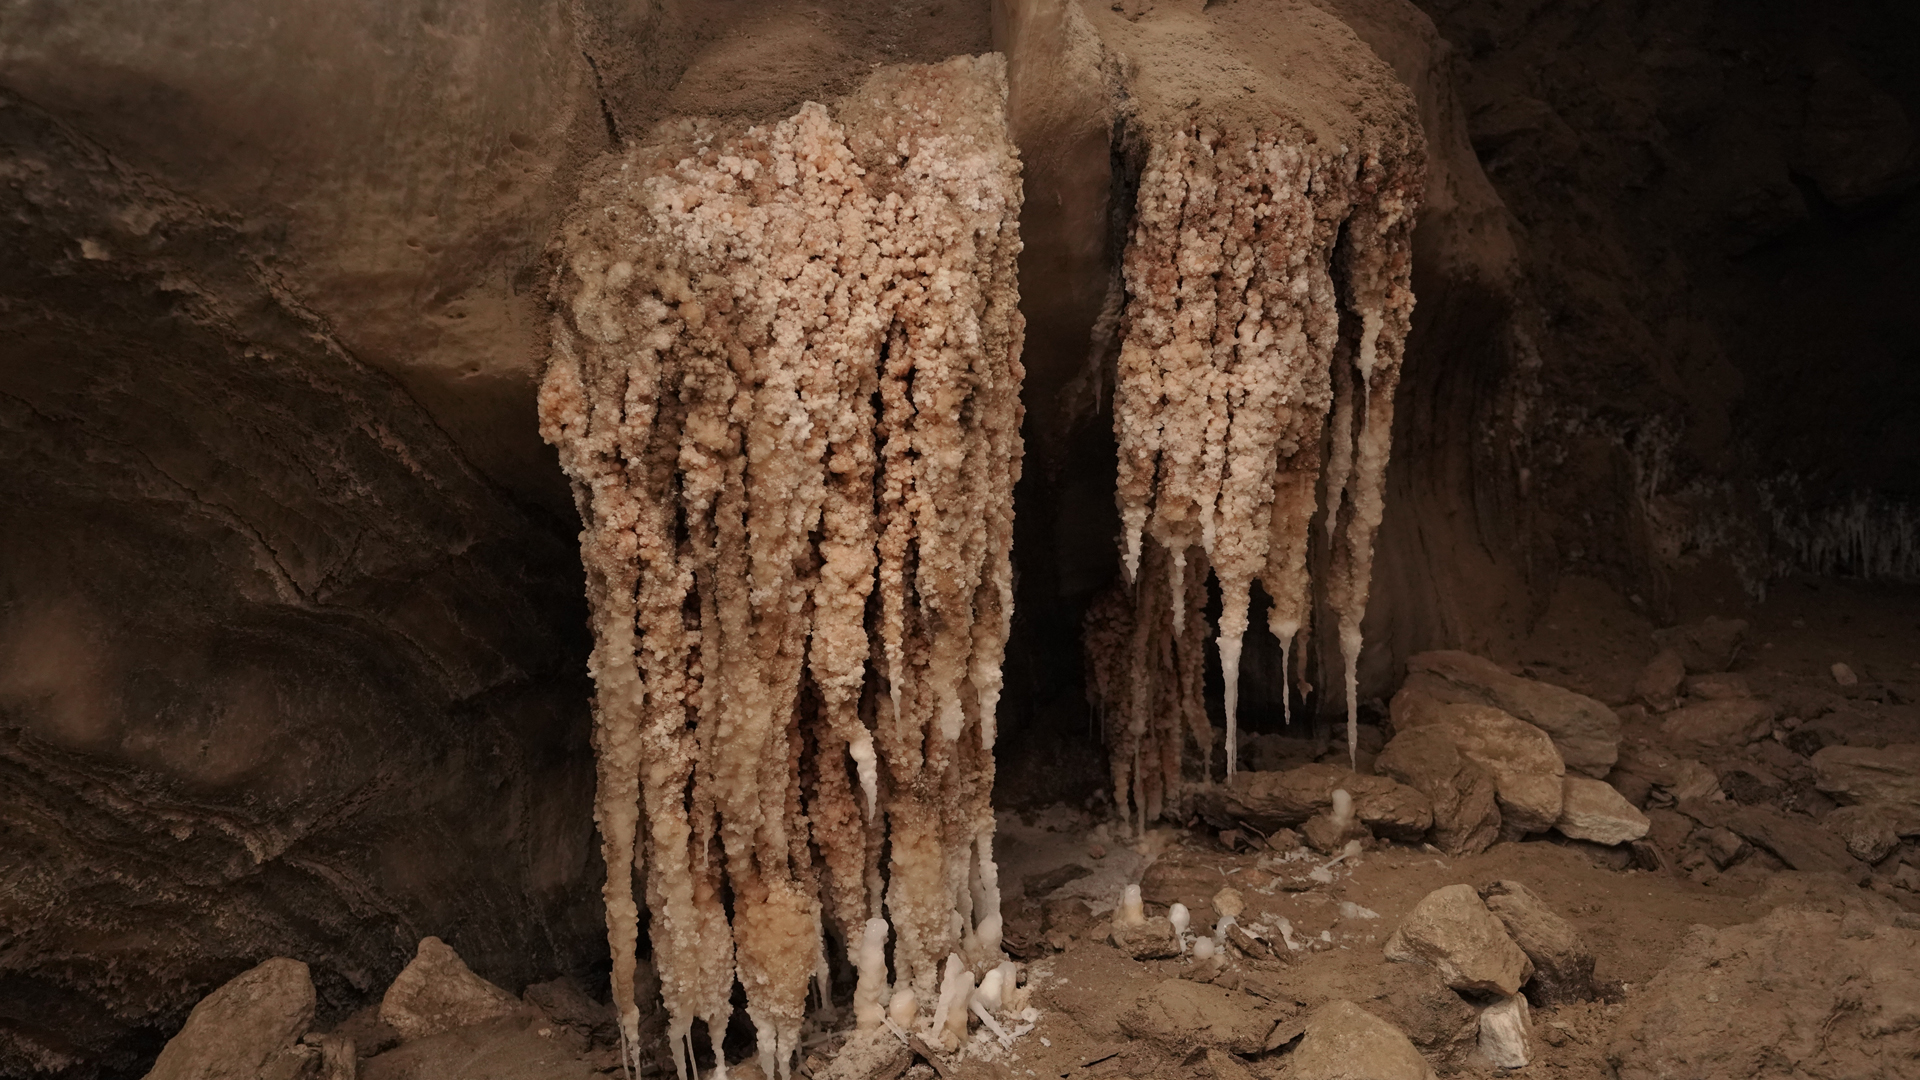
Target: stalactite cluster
785	384
1267	307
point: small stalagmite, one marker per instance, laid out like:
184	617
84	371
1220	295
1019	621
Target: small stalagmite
785	384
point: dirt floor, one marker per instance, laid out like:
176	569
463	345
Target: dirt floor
1312	932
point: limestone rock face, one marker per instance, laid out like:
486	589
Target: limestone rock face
1838	995
1596	811
1466	815
1562	963
1346	1042
249	1028
1586	732
1864	774
1452	932
438	992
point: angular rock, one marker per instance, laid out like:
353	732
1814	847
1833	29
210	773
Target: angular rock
1451	931
249	1028
1269	801
1423	1006
1506	1033
437	992
1154	939
1796	841
1346	1042
1329	837
1466	815
1833	997
1592	810
1182	1016
1658	687
1719	686
1584	731
1859	774
1872	830
1725	847
1562	963
870	1055
1527	771
1713	644
1728	722
1174	880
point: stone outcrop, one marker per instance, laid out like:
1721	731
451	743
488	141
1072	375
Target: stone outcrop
248	1029
437	992
1584	731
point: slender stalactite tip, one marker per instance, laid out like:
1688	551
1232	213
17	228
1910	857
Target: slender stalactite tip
785	383
1268	303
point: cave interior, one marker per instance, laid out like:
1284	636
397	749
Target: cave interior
1282	538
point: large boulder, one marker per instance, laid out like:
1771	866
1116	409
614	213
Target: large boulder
1596	811
248	1029
1528	775
1466	814
1562	963
437	992
1833	995
1451	931
1585	731
1346	1042
1271	801
1858	774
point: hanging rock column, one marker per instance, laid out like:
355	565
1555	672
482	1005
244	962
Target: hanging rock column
785	383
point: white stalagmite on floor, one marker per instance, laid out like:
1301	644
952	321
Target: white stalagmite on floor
785	384
1268	303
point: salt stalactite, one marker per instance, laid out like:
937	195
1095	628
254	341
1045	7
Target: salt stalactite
1268	303
785	384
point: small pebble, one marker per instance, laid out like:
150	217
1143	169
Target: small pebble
1844	675
1096	851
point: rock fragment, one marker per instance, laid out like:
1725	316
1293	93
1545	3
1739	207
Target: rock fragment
1872	830
1269	801
1658	687
1729	721
1466	815
1153	939
1182	1016
1584	731
1527	771
1859	774
1562	963
437	992
1346	1042
248	1028
1506	1033
1452	931
1592	810
1844	676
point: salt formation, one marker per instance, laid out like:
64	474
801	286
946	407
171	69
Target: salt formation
785	384
1268	304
